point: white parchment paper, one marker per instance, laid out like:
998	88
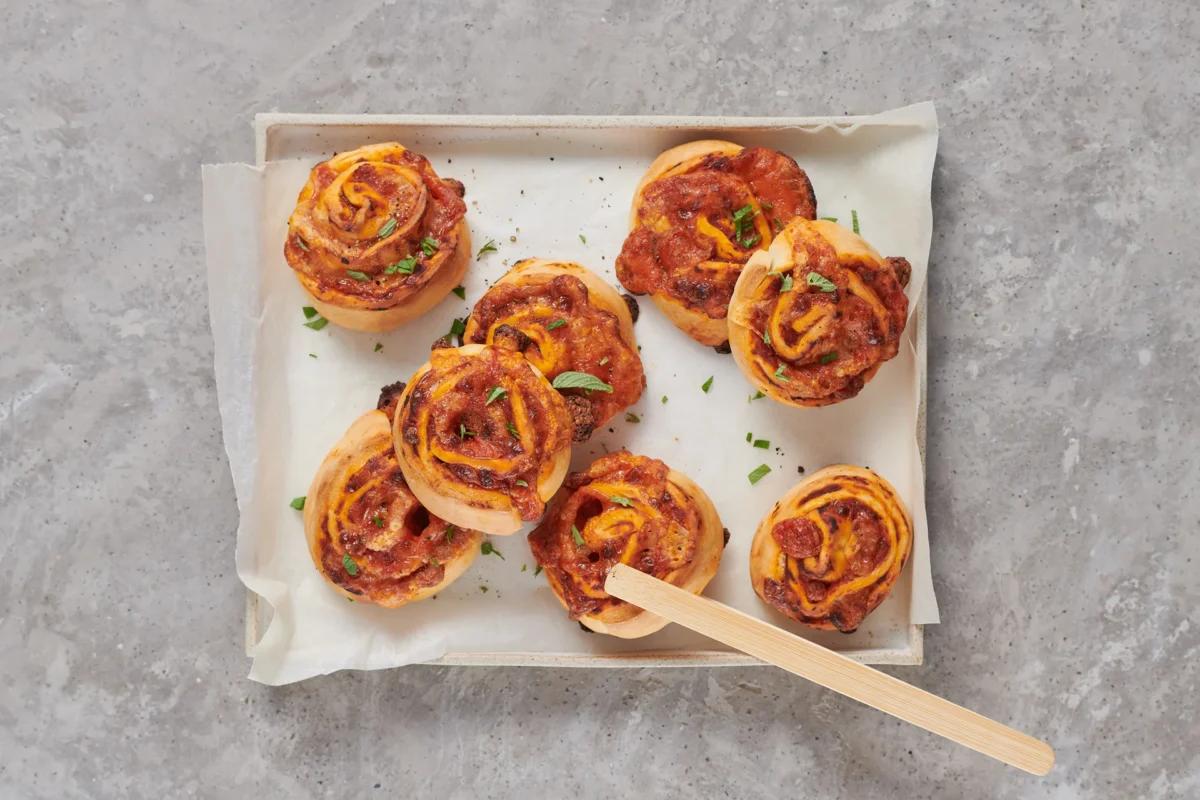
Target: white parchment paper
560	191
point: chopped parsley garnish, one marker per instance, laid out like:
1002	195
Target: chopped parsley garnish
301	243
312	355
458	328
317	324
558	323
761	444
378	346
461	291
821	282
450	531
537	570
488	550
632	417
580	380
378	520
828	358
524	568
749	436
780	376
854	219
664	399
621	501
742	223
463	432
758	473
756	396
358	276
429	246
785	283
583	238
490	247
829	219
349	564
495	394
766	336
704	387
298	502
386	228
577	536
405	265
512	429
309	312
521	483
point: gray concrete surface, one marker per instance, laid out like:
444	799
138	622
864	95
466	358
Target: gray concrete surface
1063	401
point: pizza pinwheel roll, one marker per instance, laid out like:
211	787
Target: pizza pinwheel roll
814	317
483	439
367	533
633	510
377	238
570	324
831	549
698	214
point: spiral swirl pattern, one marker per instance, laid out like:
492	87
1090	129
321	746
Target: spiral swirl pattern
633	510
368	534
812	320
830	551
479	428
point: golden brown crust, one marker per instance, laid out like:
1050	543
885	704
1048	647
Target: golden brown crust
634	510
563	317
698	214
477	456
367	533
813	318
377	238
831	549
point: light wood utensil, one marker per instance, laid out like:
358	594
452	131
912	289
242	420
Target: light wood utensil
831	670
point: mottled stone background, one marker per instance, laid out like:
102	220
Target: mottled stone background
1062	401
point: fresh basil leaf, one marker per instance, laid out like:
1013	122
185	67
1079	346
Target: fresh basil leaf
577	536
461	291
580	380
495	394
558	323
349	564
621	501
404	265
317	324
358	276
828	358
704	387
854	219
785	283
309	312
821	282
761	444
429	246
489	550
298	503
386	228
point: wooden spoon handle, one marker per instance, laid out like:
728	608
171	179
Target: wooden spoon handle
831	670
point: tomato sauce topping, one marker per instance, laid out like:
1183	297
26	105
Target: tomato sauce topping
696	229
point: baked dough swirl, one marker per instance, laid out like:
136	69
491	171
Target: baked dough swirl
700	211
367	533
377	238
483	439
565	318
634	510
831	549
814	317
